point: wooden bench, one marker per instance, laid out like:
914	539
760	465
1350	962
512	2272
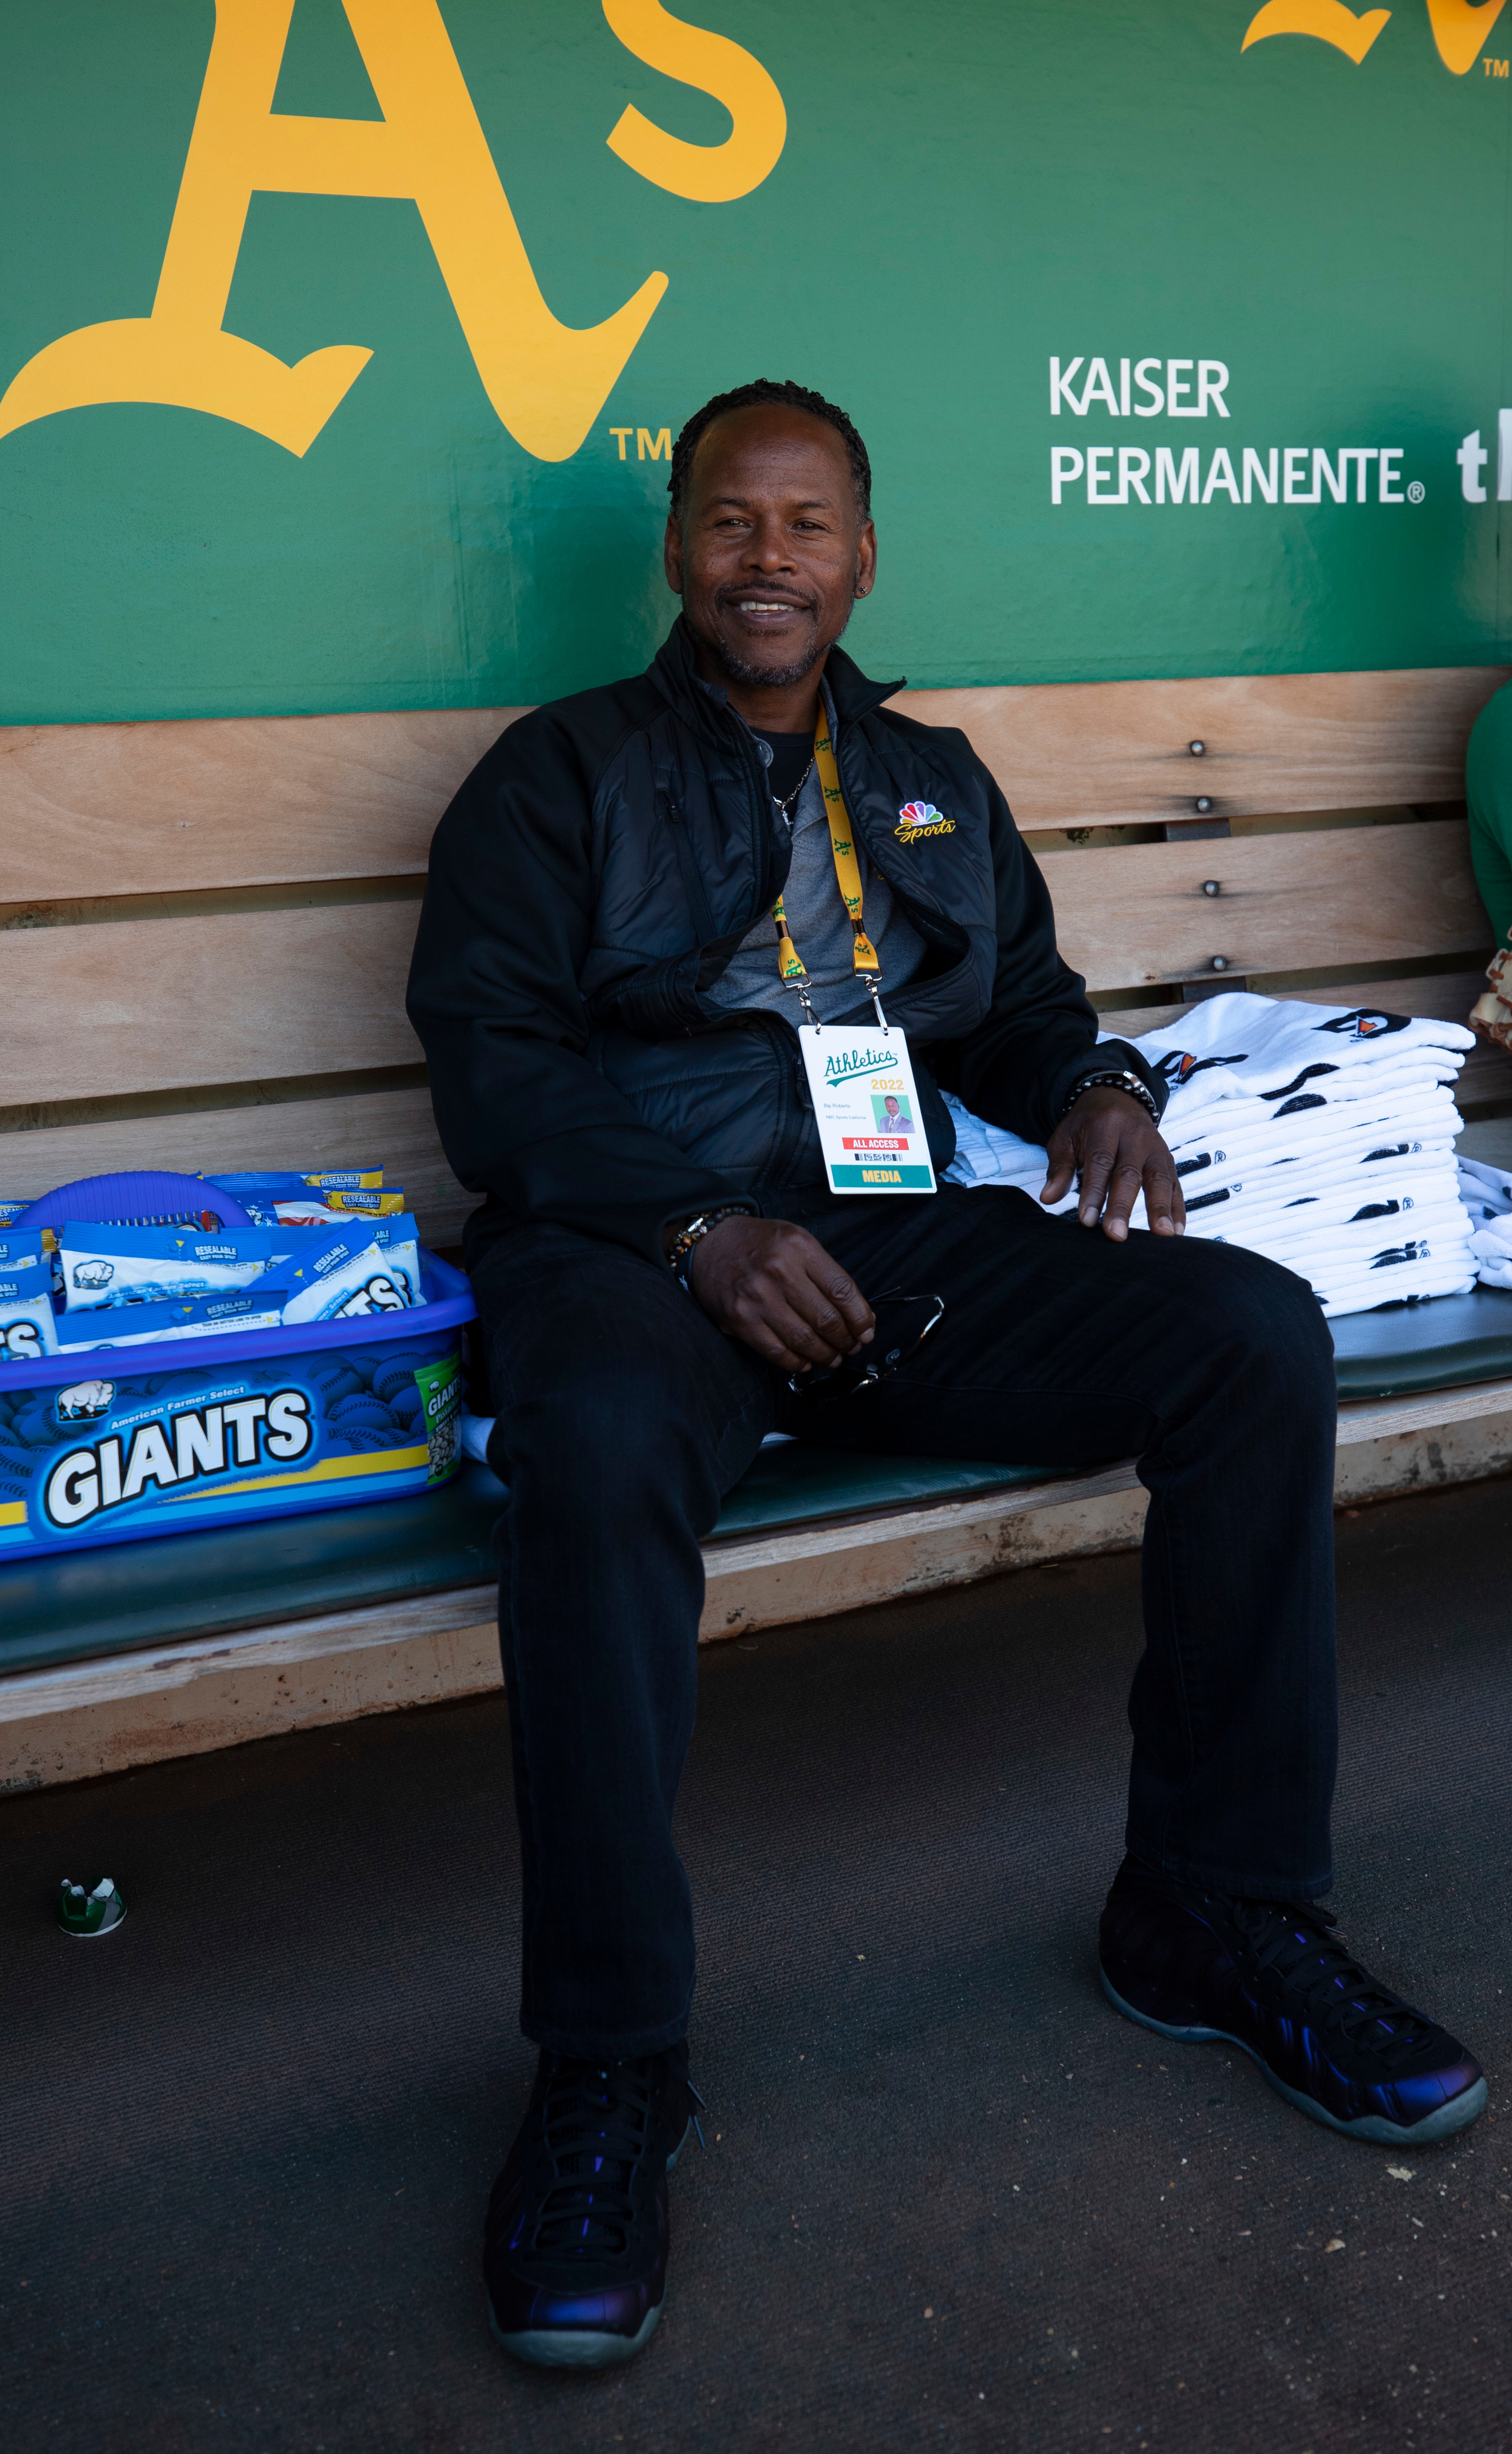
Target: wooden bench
202	962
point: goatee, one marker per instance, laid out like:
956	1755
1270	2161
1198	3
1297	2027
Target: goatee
765	676
762	677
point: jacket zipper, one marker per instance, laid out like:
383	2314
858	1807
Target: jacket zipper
692	885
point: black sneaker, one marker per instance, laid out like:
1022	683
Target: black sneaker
575	2252
1275	1979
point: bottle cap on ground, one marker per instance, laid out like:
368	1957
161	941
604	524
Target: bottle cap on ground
84	1913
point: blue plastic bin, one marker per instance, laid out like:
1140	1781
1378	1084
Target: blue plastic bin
123	1443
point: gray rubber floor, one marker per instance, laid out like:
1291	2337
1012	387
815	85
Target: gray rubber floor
949	2199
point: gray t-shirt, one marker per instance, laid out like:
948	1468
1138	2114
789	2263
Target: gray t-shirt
821	931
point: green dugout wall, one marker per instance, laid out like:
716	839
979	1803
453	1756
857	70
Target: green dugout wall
341	341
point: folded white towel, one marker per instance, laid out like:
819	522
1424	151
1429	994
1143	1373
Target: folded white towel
1338	1189
1267	1043
1434	1209
1409	1282
1198	1118
1433	1118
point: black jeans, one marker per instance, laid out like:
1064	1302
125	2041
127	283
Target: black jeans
623	1415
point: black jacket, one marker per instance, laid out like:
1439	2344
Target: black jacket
596	872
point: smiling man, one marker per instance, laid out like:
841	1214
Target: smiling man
635	902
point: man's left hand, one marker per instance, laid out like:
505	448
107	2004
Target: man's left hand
1109	1141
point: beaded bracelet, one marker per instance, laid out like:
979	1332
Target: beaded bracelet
680	1254
1130	1083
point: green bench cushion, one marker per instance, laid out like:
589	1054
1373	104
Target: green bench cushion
793	1485
124	1596
143	1593
1445	1344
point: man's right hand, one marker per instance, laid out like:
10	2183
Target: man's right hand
773	1285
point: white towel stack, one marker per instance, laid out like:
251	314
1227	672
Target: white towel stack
1319	1136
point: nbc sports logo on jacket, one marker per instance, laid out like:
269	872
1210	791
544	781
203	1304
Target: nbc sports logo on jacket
917	818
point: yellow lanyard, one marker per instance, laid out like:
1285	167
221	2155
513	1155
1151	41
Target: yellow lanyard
848	873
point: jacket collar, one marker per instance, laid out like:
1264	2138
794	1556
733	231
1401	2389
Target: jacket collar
676	675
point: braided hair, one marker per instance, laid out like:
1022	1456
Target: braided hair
789	395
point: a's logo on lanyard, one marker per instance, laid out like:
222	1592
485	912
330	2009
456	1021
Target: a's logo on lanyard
862	1082
848	874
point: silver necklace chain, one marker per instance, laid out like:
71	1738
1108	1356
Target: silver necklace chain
787	807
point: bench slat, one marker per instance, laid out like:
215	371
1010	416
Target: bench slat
1138	915
139	809
396	1127
153	1005
132	808
1074	753
149	1005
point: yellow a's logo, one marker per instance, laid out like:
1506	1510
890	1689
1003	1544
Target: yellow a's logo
546	380
1327	21
1460	27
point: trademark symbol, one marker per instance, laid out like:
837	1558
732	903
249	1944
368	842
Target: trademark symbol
1497	67
1415	491
648	445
